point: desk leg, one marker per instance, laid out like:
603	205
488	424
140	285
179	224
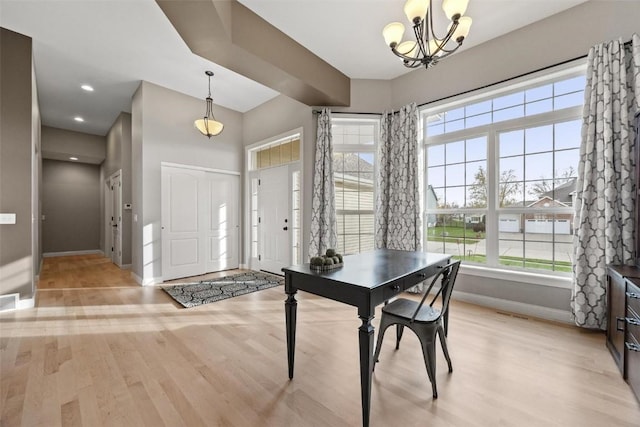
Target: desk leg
365	333
290	308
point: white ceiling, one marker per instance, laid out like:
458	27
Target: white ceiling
114	44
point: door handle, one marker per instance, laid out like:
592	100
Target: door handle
285	228
618	320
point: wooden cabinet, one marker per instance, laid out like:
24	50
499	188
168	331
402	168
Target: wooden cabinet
632	339
616	288
623	322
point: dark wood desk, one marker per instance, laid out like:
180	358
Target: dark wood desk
365	281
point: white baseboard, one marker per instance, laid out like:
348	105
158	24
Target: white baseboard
126	266
546	313
146	282
69	253
27	303
243	267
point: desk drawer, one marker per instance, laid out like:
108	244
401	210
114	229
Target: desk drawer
632	356
390	291
417	277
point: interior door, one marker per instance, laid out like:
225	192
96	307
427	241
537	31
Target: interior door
223	231
116	219
274	194
183	248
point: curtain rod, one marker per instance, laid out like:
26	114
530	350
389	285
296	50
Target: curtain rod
348	112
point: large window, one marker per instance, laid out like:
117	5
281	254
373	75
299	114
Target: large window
354	146
501	172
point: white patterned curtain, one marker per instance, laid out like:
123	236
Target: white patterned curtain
323	209
397	191
604	221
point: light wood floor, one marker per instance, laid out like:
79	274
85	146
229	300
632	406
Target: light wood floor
125	355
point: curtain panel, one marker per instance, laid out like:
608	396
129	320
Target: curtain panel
323	209
397	190
605	188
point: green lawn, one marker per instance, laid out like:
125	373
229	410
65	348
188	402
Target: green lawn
451	234
538	264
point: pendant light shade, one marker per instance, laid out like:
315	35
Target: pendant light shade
208	125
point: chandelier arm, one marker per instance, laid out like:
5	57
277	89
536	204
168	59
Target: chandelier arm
418	31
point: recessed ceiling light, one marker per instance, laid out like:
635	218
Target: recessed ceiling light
73	158
78	119
88	88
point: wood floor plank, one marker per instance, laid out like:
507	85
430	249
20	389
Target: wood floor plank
98	350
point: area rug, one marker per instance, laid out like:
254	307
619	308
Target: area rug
195	294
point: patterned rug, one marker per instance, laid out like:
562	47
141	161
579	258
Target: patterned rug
195	294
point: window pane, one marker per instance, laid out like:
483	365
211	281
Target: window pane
566	163
479	120
456	114
539	194
511	169
538	93
511	195
539	107
511	248
462	236
455	152
435	155
508	113
569	100
454	197
574	84
433	130
508	101
455	174
538	166
567	134
539	139
476	172
511	143
435	176
476	149
478	108
454	126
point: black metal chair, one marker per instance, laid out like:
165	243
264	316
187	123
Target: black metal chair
424	321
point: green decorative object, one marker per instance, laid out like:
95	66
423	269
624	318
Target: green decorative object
317	261
330	261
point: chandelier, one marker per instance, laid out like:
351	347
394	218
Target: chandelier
428	48
208	125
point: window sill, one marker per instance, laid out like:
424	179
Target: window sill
564	282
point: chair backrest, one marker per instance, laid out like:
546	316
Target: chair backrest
447	276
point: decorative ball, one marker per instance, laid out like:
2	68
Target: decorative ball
336	260
339	257
317	260
331	252
328	261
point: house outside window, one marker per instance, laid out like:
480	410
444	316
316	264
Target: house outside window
354	152
500	174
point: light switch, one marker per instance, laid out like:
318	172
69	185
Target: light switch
7	218
135	217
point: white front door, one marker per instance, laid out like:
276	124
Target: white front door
223	231
274	195
200	231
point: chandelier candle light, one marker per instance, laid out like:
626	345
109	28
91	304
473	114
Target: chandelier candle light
428	49
208	125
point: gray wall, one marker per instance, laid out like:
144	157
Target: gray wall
18	112
163	131
118	158
60	144
71	206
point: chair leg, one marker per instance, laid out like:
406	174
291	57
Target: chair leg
383	327
428	352
445	350
399	331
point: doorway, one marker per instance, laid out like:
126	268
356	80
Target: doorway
113	218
